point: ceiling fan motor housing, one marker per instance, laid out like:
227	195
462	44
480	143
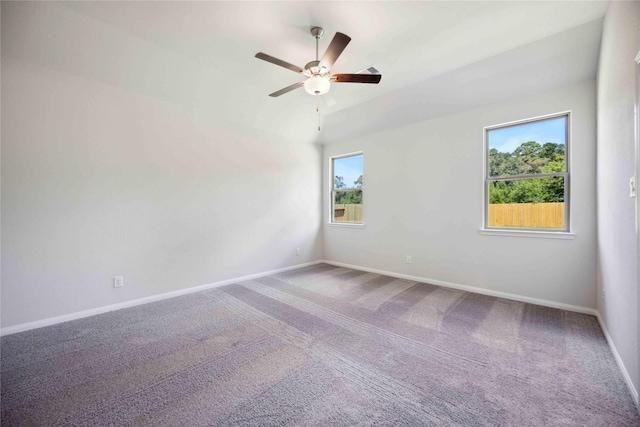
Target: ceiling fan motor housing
313	69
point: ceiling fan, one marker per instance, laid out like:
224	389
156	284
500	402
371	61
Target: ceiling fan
318	72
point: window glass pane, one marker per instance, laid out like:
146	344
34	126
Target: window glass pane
527	203
347	172
347	206
528	148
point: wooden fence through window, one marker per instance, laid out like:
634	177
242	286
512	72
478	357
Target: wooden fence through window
535	215
347	213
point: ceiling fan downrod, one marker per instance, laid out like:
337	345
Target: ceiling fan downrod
313	68
317	32
317	82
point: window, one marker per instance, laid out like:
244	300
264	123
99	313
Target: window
346	189
527	175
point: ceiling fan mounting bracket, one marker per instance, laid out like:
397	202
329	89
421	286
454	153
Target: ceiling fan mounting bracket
313	68
317	32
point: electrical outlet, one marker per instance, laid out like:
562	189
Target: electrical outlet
408	259
632	187
118	281
297	251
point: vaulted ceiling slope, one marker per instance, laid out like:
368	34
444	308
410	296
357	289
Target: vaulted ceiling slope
555	61
436	57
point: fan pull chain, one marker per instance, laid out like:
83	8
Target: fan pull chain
318	111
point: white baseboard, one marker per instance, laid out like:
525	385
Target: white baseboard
99	310
473	289
616	355
104	309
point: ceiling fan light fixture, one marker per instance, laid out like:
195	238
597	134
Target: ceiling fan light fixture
317	85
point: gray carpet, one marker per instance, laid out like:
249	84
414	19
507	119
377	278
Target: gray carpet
318	346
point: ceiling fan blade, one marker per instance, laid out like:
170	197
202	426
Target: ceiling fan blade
279	62
356	78
286	89
337	45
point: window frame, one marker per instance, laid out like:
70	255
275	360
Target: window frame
564	233
333	191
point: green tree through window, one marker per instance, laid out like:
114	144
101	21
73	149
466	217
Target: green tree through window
528	158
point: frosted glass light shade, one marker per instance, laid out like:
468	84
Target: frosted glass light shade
317	85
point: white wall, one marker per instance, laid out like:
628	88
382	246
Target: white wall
617	244
99	181
423	197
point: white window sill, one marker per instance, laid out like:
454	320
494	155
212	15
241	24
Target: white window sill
345	225
563	235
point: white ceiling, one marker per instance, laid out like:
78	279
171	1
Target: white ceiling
436	57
